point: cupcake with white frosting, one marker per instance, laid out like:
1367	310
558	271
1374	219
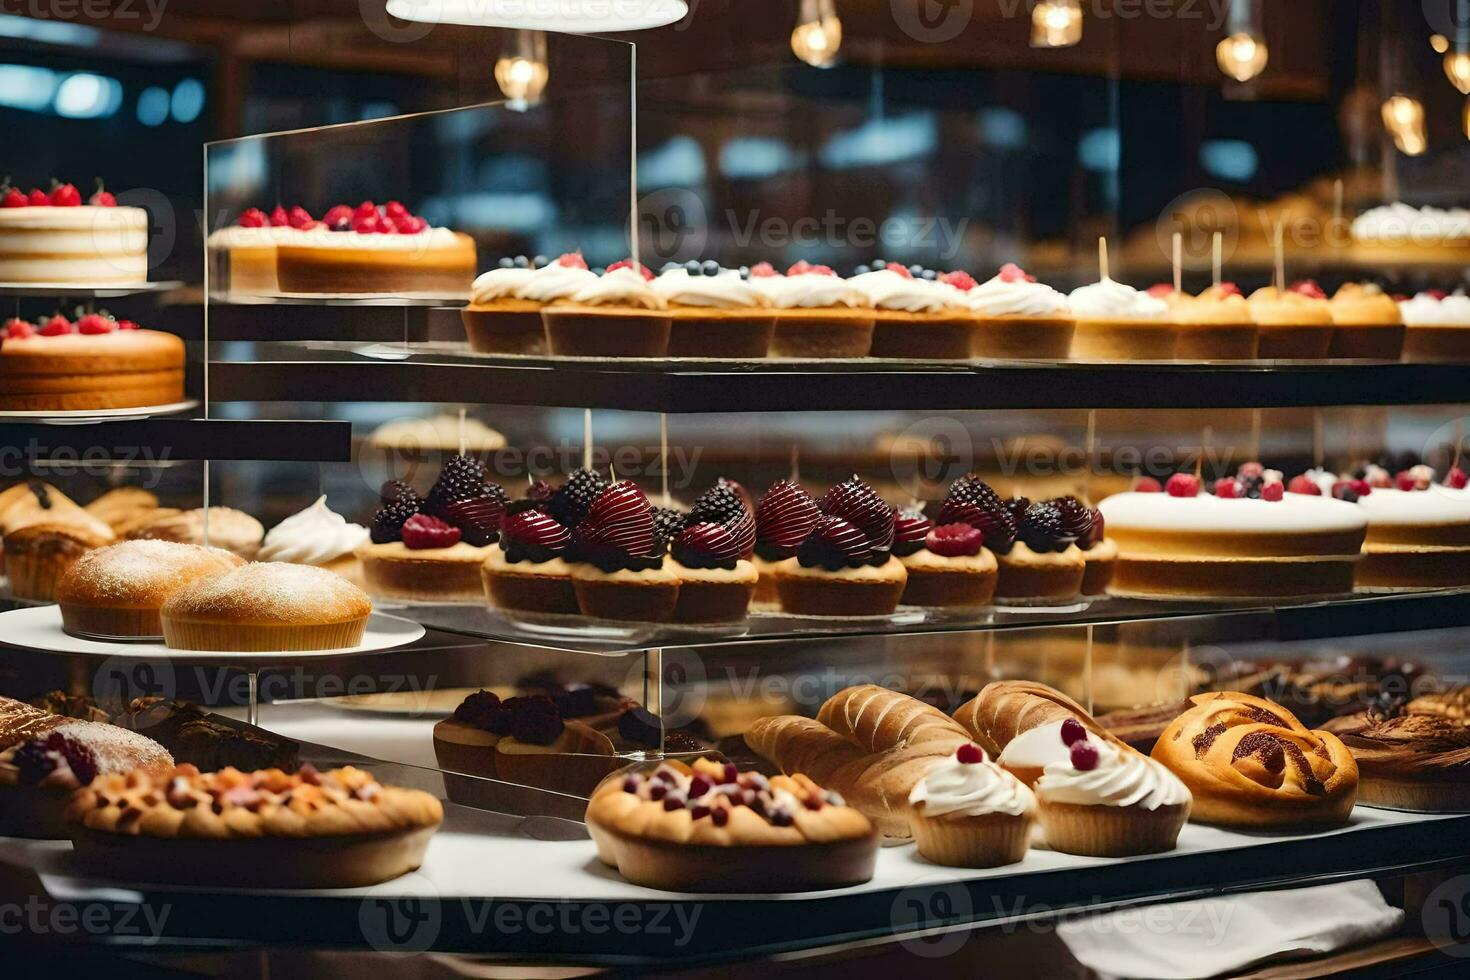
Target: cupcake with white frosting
818	313
619	314
1018	317
1097	796
915	315
714	312
317	536
504	315
1437	326
968	812
1116	322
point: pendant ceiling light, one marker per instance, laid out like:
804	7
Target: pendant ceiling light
1403	117
561	16
1242	53
1056	23
521	70
818	33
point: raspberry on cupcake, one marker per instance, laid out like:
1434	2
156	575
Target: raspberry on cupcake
622	572
948	565
845	566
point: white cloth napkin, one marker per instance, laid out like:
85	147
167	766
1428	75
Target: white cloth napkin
1214	935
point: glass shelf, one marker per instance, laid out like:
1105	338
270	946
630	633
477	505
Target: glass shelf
73	291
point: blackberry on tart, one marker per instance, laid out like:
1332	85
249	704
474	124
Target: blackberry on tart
1043	565
621	572
845	566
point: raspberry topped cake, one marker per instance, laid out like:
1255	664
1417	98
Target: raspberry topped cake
504	315
915	314
948	565
711	828
1247	539
431	549
55	237
1418	529
845	565
818	313
711	556
369	249
1035	544
714	311
1017	316
783	519
622	571
92	363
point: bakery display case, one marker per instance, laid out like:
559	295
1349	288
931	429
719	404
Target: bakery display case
508	557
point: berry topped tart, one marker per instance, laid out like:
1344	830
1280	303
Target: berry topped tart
504	315
1098	551
619	314
711	555
711	828
1293	323
622	571
369	249
92	363
845	566
1418	526
948	564
715	312
1436	326
917	314
1016	316
1249	538
529	571
57	237
818	313
783	519
1035	545
431	549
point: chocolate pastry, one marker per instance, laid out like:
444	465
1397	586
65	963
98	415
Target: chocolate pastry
1408	760
207	742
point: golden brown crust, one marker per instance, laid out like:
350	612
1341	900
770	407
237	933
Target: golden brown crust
875	719
1408	761
270	593
1004	709
227	528
140	573
1250	763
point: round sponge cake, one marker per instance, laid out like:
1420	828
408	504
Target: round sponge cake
117	591
267	606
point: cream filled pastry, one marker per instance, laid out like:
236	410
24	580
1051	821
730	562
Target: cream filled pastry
317	536
1117	322
1183	543
968	784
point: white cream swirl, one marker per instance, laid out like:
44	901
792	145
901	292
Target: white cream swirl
1110	298
887	290
726	290
971	790
1426	311
315	536
620	287
999	297
1122	777
555	281
498	284
810	290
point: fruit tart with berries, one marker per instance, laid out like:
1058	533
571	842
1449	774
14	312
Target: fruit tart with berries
374	250
504	315
431	549
711	555
619	314
714	311
94	362
916	315
818	313
54	236
845	566
39	773
266	829
1035	544
622	569
783	519
528	572
1249	538
948	564
708	827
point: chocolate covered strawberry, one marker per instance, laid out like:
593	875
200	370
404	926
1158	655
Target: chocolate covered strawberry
783	519
859	504
706	545
533	535
834	544
910	528
618	531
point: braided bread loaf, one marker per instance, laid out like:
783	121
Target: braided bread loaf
869	744
1251	763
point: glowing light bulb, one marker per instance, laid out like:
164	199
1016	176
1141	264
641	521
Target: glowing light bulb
1242	56
1465	119
818	33
521	70
1439	43
1457	70
1403	117
1056	23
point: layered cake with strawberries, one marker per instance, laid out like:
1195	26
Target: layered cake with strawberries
845	566
431	549
370	249
93	363
1247	539
1418	528
54	237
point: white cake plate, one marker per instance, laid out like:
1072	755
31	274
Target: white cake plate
39	628
82	416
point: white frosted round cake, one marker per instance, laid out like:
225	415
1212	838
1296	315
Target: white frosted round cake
84	244
1194	545
1417	539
